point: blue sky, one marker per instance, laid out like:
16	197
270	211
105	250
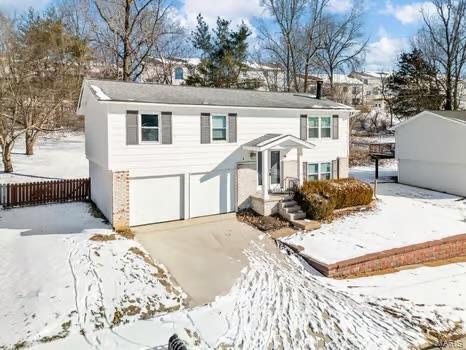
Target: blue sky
389	23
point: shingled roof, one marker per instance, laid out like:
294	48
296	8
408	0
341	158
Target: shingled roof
105	90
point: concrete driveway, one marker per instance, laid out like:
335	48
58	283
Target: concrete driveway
204	255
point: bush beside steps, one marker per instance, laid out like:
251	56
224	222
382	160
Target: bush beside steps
319	199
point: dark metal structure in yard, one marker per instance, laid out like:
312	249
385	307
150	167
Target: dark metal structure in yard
45	192
379	151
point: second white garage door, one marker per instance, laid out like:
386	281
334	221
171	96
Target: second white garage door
156	199
212	193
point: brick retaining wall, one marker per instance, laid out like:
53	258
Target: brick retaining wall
446	248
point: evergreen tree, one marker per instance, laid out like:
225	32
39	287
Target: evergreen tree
223	54
415	86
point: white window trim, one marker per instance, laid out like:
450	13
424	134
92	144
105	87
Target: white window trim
319	169
319	118
212	128
140	127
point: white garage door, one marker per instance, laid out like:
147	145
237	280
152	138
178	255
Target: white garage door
155	199
212	193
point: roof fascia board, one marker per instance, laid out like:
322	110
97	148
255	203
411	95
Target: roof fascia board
325	109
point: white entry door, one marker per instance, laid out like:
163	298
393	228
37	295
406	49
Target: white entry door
156	199
212	193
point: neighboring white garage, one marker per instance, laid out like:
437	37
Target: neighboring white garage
430	148
212	193
156	199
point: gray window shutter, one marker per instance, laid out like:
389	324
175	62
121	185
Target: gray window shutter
335	122
232	127
205	127
132	128
335	169
304	171
303	127
167	137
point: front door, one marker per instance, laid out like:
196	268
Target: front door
275	167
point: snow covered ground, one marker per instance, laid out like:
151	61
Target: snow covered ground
66	290
404	215
64	272
280	303
57	156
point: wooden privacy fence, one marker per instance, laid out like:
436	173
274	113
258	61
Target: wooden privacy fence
33	193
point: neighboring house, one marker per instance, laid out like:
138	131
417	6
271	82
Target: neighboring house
371	94
430	148
159	153
346	90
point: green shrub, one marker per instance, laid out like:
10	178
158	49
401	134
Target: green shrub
319	199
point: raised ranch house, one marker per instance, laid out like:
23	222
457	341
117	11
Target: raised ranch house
159	153
430	148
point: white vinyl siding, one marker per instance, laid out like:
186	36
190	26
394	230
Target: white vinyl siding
430	153
188	155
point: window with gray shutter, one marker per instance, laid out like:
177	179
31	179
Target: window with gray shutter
335	124
132	128
305	171
232	127
335	169
205	128
303	127
167	136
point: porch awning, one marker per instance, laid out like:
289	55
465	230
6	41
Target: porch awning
269	141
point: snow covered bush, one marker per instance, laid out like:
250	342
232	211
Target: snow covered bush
319	199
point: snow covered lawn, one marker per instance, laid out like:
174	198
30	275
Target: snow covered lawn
57	156
64	272
281	303
404	215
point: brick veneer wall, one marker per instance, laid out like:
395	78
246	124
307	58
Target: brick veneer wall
446	248
120	212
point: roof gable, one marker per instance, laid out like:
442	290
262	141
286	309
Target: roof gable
451	116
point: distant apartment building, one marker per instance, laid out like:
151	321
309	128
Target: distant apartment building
345	90
371	95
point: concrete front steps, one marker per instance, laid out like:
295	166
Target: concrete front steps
291	211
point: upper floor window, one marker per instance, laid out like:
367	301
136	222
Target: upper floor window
319	127
325	127
150	128
219	128
179	73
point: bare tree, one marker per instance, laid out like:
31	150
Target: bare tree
128	31
312	36
282	40
343	43
443	43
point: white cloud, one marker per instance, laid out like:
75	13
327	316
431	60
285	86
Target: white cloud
383	53
12	6
340	6
409	13
236	11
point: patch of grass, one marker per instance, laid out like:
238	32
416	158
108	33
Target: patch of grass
127	233
147	259
62	334
102	238
19	345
